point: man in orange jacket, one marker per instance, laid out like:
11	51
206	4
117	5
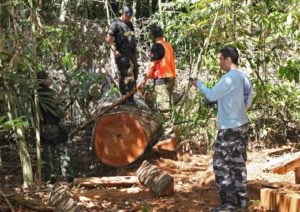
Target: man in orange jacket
162	70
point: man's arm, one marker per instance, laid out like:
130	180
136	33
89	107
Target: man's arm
110	38
157	52
110	42
224	86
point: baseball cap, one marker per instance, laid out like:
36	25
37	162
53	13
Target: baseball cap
128	10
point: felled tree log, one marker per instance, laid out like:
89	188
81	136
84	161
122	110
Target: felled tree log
121	135
159	182
118	181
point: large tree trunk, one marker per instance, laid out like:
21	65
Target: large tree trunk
122	135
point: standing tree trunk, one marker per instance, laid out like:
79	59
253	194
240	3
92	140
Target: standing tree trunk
13	114
112	57
63	10
160	13
36	100
21	141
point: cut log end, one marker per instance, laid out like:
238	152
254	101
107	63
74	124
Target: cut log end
119	139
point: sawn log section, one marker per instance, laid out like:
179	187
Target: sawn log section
122	135
158	181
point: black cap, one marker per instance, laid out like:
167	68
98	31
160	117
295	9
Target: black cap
128	10
156	31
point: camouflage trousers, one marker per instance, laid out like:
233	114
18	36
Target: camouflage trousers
54	155
56	152
163	94
128	73
229	163
163	103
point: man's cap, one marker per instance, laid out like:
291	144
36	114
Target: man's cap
128	10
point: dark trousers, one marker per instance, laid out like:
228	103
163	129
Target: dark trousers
229	162
128	73
55	152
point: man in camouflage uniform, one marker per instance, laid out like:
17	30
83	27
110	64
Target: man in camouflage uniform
122	41
233	94
53	135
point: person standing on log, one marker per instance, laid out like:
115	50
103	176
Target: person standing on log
233	94
53	135
161	69
121	39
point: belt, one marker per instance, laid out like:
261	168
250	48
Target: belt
161	81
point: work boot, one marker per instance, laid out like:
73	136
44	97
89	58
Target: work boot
226	207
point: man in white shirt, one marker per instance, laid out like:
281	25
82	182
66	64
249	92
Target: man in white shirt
233	94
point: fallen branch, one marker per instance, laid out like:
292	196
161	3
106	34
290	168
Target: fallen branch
117	181
31	203
7	201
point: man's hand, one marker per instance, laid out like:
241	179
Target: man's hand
193	81
142	84
109	40
116	53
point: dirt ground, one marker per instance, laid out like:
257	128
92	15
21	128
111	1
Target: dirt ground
194	182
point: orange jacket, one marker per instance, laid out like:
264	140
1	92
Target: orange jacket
165	67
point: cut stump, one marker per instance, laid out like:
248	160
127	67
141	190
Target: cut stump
122	135
280	200
159	182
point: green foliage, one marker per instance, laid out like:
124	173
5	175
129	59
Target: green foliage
197	120
290	70
18	122
275	110
267	35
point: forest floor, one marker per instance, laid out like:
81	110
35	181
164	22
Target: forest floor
194	186
193	180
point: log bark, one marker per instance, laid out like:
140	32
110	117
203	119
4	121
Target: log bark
122	135
159	182
118	181
62	198
297	175
31	203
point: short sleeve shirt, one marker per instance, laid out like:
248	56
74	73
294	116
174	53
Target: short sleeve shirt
123	33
